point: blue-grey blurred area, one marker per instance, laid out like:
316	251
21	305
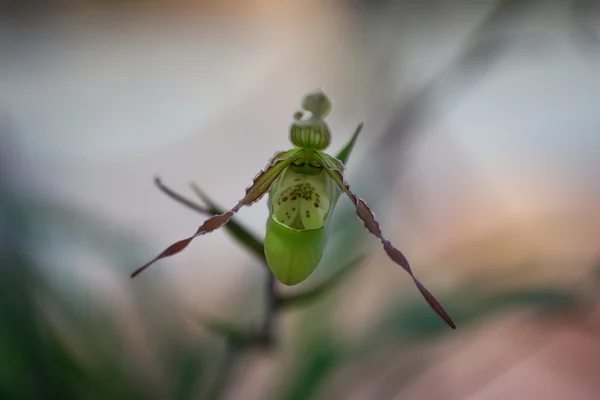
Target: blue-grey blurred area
480	156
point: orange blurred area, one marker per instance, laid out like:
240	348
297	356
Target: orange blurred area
479	157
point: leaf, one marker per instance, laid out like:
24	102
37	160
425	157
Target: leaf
312	369
260	186
344	154
300	299
332	167
409	322
229	331
236	229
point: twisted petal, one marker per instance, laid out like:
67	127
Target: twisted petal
335	169
260	186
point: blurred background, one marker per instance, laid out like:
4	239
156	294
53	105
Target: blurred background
480	156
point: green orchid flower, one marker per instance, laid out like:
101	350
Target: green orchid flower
304	184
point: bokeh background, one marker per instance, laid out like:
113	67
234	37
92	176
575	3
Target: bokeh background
480	156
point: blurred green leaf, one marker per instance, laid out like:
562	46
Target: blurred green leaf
320	358
228	331
39	361
300	299
414	321
186	376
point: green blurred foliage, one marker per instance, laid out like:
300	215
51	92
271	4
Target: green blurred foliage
89	357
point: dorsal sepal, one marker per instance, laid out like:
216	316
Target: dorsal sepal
309	130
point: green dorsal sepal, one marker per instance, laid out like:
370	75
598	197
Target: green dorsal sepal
309	130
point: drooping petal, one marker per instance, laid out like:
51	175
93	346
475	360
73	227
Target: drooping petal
334	168
260	186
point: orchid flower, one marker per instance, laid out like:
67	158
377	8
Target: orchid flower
303	186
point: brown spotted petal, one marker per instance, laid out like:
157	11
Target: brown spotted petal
260	186
332	167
